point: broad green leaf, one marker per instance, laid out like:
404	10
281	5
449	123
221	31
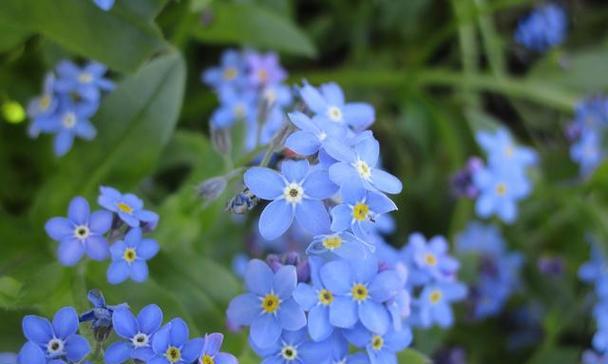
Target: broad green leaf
134	123
11	36
147	9
251	25
411	356
10	289
120	38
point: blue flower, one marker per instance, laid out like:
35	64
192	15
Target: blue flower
211	351
81	232
359	292
480	238
543	28
591	357
339	351
129	257
268	307
137	331
297	192
358	211
328	103
101	314
53	343
499	192
41	108
357	166
277	96
430	261
381	348
264	69
343	244
587	152
434	304
293	347
8	358
69	121
171	344
231	71
128	207
86	82
503	152
234	106
105	4
312	134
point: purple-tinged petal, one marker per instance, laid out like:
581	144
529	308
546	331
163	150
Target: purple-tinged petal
284	281
139	271
258	277
118	272
374	316
100	222
213	343
147	249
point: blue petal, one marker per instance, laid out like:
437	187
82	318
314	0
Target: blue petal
343	312
31	354
379	203
385	286
76	347
305	296
358	115
443	314
225	358
179	332
150	318
374	317
192	350
59	228
37	329
368	150
303	122
344	174
291	316
133	237
70	251
397	341
332	93
124	323
162	339
366	269
118	272
100	222
341	218
147	249
213	343
284	281
63	143
318	185
303	142
265	183
97	248
265	331
258	277
85	129
337	276
139	271
337	149
313	98
117	353
108	197
78	211
65	322
275	219
243	309
386	182
117	250
319	327
295	171
312	216
158	360
358	336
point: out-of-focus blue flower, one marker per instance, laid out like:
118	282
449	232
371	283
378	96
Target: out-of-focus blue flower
234	106
344	245
71	120
297	192
277	96
41	108
312	134
587	131
358	211
264	69
360	291
87	82
171	344
502	151
53	343
544	28
591	357
434	304
587	152
137	331
480	238
128	207
230	72
328	102
292	347
105	4
129	257
595	271
81	232
8	358
357	166
381	348
100	315
429	260
211	351
268	307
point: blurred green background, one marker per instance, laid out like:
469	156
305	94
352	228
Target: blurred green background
436	71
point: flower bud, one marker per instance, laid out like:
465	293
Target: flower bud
221	140
211	189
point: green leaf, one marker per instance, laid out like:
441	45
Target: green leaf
411	356
251	25
11	36
121	38
10	290
134	124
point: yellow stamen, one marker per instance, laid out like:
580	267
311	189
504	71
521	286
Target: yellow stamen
326	297
332	242
359	292
270	303
360	211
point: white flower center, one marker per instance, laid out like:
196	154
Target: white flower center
270	95
82	232
85	77
140	340
289	353
322	136
69	120
293	193
334	114
55	347
363	169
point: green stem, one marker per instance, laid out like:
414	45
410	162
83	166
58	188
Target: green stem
469	51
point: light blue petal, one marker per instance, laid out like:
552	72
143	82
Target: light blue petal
318	185
396	341
244	309
213	343
338	149
303	143
85	129
386	182
312	216
337	276
332	93
117	353
319	327
275	219
147	249
139	271
70	251
374	317
258	277
63	143
380	203
265	183
124	323
303	122
225	358
343	312
305	296
150	318
59	228
341	218
385	286
97	248
294	171
100	222
291	316
368	150
358	115
118	272
313	99
78	211
76	347
265	331
359	336
284	281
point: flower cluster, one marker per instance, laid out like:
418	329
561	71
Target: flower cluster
588	132
498	269
115	232
70	97
250	90
543	29
105	4
595	272
501	183
141	337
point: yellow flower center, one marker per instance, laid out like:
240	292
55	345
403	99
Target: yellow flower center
124	207
289	352
360	211
263	75
363	169
173	354
334	113
359	292
430	259
129	255
325	297
501	189
435	296
293	193
377	342
270	303
332	242
207	359
45	102
230	73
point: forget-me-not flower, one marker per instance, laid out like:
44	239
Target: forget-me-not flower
87	82
41	108
100	315
211	351
264	69
499	191
297	192
82	232
230	72
71	120
172	344
430	260
293	347
434	304
380	348
128	207
544	28
343	244
312	134
234	106
129	257
503	152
